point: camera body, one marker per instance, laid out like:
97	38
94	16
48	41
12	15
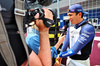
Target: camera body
36	7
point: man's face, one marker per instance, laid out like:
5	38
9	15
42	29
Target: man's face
73	18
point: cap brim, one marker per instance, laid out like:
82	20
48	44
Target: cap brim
82	12
85	12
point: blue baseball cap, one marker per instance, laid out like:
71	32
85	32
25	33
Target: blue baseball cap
76	8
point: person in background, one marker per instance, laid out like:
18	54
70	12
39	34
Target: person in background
79	39
98	45
33	41
89	22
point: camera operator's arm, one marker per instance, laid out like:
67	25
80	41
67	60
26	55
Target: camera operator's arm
44	52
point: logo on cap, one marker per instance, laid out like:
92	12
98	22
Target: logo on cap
76	8
73	10
79	10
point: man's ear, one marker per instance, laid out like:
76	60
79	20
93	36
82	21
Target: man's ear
80	14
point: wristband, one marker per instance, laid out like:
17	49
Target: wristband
48	22
66	53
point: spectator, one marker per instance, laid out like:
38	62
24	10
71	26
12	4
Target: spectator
99	45
89	22
33	41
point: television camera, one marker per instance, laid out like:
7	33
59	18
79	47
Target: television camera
35	6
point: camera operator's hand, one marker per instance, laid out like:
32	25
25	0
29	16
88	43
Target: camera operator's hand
48	14
39	22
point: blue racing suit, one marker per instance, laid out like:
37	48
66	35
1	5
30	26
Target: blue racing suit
79	39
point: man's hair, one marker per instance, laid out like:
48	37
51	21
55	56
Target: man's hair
82	14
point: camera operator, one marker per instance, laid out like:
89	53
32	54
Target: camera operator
44	52
16	43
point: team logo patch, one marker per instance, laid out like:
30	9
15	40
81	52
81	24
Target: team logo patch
72	10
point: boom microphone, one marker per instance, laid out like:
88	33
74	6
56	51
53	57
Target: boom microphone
45	2
32	1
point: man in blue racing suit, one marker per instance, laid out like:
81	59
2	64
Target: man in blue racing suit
79	39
